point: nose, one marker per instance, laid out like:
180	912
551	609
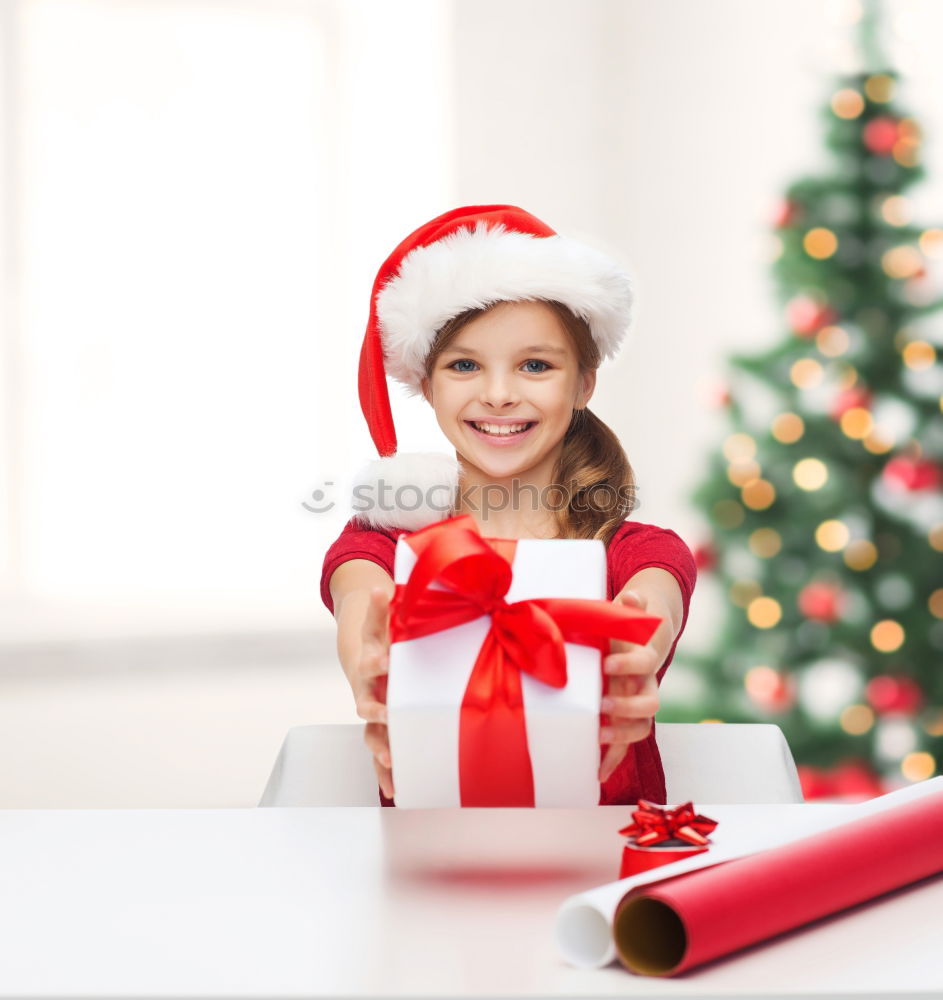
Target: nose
498	392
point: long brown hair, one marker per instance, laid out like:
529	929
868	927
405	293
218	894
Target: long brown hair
593	474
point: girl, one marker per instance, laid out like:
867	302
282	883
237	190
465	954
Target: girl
500	324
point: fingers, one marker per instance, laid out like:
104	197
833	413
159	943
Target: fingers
611	760
375	649
384	779
371	710
377	739
640	706
639	661
625	732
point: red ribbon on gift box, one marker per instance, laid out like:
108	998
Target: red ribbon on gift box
494	761
654	824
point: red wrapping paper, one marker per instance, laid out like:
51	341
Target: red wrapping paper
669	927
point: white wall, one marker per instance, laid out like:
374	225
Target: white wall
202	193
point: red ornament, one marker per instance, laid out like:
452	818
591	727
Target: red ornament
889	695
851	779
849	399
880	135
770	690
806	316
786	213
705	557
911	475
821	602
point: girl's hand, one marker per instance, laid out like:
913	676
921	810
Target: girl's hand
631	698
370	685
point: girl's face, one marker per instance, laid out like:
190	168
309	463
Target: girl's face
505	389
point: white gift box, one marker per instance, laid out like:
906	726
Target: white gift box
428	677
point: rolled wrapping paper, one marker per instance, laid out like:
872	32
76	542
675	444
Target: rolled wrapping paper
675	925
584	921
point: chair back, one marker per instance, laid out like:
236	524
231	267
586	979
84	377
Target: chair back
329	765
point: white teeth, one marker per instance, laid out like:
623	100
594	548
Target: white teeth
500	429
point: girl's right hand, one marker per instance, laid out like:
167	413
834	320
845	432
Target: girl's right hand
370	693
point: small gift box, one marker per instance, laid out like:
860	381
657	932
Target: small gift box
495	667
659	835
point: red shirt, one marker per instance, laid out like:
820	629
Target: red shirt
635	546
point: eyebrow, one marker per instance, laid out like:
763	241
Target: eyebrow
532	349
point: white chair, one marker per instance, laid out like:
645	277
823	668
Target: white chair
329	765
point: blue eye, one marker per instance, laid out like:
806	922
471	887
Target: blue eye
531	371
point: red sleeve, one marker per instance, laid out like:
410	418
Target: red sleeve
357	542
638	546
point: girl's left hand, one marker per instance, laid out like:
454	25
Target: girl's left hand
631	698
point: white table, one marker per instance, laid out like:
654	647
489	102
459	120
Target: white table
379	902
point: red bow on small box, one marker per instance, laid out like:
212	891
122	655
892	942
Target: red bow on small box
657	824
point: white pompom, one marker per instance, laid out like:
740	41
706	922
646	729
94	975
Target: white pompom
408	491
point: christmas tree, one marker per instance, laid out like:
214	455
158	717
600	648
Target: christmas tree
824	503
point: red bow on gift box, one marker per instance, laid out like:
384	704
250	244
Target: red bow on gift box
656	824
494	762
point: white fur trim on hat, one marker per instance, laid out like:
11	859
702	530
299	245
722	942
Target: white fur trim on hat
409	490
471	269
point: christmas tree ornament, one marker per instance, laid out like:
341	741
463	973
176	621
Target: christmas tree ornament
856	398
787	212
894	695
770	690
806	316
821	601
828	686
903	474
705	556
880	135
894	738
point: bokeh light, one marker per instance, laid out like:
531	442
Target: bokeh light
887	636
832	536
820	243
741	473
739	448
931	242
728	513
832	341
857	422
810	474
879	88
896	210
758	494
902	262
766	543
787	428
764	612
935	603
860	554
856	719
806	373
918	766
744	591
847	103
919	354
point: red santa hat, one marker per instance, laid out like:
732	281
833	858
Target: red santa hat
468	258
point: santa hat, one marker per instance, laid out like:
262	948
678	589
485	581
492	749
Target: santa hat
468	258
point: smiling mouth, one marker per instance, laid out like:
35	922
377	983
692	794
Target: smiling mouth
502	432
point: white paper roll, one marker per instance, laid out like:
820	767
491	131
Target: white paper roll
584	922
